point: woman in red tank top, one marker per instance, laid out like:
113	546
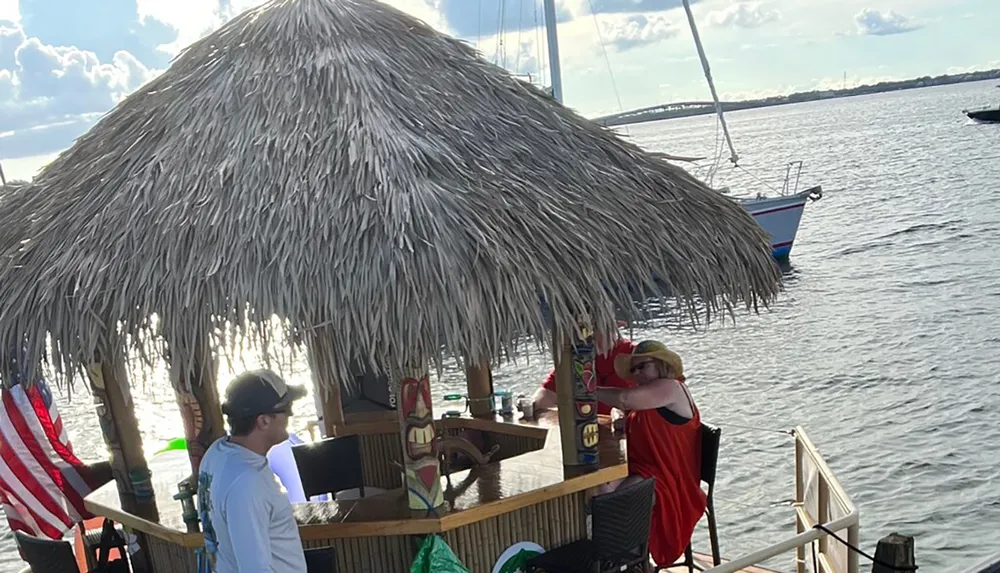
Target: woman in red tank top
663	432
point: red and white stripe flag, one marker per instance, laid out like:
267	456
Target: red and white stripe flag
42	484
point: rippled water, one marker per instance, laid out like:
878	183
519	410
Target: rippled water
883	345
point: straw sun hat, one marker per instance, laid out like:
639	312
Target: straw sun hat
650	349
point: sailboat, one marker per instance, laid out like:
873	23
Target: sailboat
778	215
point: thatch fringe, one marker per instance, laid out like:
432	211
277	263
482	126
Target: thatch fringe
341	165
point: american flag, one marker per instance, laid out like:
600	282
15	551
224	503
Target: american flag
42	484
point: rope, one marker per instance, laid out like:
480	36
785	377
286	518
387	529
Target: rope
542	70
758	179
499	39
479	24
520	26
871	558
607	61
757	428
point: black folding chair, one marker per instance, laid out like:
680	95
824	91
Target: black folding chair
620	539
46	555
330	465
711	437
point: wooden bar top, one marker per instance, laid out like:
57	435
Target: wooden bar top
470	495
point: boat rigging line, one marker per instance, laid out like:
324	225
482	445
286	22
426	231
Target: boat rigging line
607	60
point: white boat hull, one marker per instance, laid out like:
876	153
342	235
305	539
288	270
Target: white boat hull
780	217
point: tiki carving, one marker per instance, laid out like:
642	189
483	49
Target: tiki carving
585	399
422	472
198	401
109	428
197	430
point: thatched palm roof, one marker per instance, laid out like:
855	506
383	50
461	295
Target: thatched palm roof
339	163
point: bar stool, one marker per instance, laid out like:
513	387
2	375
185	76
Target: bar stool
620	539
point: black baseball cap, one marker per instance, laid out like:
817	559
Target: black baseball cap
259	392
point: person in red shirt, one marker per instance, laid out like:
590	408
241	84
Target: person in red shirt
663	429
604	367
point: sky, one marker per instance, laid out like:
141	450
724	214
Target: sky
63	63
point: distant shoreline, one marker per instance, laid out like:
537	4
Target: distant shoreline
657	113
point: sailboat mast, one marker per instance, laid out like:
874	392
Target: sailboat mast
711	85
552	38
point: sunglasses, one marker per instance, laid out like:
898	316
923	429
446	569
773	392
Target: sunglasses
637	367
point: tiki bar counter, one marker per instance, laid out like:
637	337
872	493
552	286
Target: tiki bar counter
338	181
527	495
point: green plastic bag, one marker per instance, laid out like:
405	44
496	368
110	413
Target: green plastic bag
435	556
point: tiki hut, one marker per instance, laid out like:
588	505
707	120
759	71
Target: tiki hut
338	163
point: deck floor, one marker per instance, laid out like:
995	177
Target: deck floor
706	562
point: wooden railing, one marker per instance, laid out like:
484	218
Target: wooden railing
819	499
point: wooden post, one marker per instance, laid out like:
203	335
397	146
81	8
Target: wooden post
576	396
197	396
119	427
421	470
326	382
479	383
894	550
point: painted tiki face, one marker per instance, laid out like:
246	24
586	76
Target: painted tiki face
423	475
418	422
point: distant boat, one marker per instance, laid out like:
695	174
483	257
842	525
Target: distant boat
985	115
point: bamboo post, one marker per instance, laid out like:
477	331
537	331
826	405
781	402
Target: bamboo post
479	384
197	394
326	382
894	553
576	396
421	470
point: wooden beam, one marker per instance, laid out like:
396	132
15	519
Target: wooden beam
563	358
479	383
326	381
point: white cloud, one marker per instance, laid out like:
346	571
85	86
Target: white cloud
872	22
742	15
627	32
50	91
9	10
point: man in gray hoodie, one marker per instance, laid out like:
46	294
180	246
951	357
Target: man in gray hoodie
247	520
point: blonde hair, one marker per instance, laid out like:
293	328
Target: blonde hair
663	369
